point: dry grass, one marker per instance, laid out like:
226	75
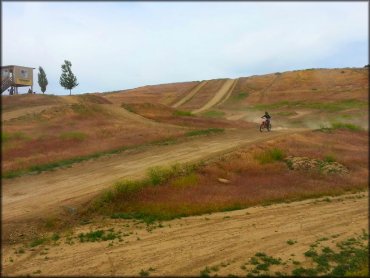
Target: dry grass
68	131
253	183
165	114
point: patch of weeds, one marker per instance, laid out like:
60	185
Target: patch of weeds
208	131
213	114
214	268
271	155
182	113
73	135
329	159
98	235
55	237
323	239
10	136
338	125
262	262
291	242
311	253
351	258
143	273
146	217
205	272
37	272
36	242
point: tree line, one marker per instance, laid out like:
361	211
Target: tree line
67	80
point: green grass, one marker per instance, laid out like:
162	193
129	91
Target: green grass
338	125
291	242
204	132
213	114
155	177
73	135
37	241
98	235
271	155
9	136
182	113
350	259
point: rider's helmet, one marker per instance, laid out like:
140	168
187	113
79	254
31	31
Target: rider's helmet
266	113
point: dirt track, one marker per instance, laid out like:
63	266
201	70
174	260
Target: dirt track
186	246
29	196
221	93
190	95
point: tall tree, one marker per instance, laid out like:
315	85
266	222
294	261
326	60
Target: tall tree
43	81
68	80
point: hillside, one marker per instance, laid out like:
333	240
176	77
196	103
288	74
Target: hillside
307	98
183	172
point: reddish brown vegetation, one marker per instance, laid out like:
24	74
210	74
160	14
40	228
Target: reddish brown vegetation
164	93
310	85
161	113
42	138
253	183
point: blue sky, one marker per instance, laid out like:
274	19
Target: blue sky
121	45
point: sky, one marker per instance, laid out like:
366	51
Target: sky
121	45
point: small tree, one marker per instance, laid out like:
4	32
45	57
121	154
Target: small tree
68	80
43	81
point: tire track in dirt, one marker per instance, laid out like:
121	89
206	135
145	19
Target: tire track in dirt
225	90
30	196
268	87
186	246
190	95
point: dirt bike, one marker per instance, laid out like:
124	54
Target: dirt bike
265	125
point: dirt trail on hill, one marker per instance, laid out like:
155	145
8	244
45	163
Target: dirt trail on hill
190	95
225	90
124	113
38	195
13	114
187	246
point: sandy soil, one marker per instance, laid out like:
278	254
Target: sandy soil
226	88
190	94
186	246
38	195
